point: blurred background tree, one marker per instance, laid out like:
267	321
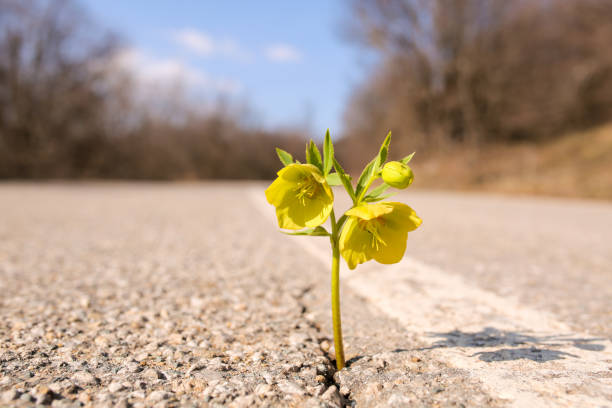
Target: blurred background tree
493	94
68	111
473	72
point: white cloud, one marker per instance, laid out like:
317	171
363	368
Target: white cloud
169	73
195	41
282	53
205	45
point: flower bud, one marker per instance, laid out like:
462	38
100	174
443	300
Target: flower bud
397	174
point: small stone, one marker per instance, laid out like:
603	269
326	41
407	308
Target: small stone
115	387
138	394
83	378
243	402
332	395
317	390
65	403
380	363
257	357
262	390
268	376
200	365
102	342
308	373
84	397
197	303
141	357
322	369
217	364
293	367
240	307
373	389
175	339
43	395
26	397
10	395
132	367
157	396
122	403
325	346
290	387
297	339
153	374
102	396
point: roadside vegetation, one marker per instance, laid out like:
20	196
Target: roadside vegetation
69	110
498	95
577	164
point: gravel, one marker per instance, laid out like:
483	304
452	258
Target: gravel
147	296
134	295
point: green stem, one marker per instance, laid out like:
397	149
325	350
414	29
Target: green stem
335	294
335	282
365	190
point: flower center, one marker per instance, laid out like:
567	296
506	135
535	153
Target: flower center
372	226
306	189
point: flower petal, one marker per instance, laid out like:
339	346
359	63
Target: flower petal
277	191
291	211
370	211
402	217
393	251
295	215
355	243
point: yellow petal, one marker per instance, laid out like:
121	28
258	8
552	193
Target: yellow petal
291	211
276	192
369	211
402	217
395	247
382	237
294	215
355	243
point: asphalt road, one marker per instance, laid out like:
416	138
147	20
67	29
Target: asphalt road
185	294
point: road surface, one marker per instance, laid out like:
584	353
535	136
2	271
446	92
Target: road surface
186	295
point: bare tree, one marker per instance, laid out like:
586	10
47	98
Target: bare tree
50	106
67	112
474	71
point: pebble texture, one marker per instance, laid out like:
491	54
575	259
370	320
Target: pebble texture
152	296
134	295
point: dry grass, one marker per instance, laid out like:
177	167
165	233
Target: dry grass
576	165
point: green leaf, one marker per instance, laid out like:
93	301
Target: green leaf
313	232
370	199
341	221
333	179
372	169
384	150
285	158
345	179
406	159
313	156
328	154
378	190
366	174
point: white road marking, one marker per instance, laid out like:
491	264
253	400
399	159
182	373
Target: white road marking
522	355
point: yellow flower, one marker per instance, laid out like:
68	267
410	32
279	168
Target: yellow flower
301	196
377	231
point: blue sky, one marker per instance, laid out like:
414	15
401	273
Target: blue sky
286	59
